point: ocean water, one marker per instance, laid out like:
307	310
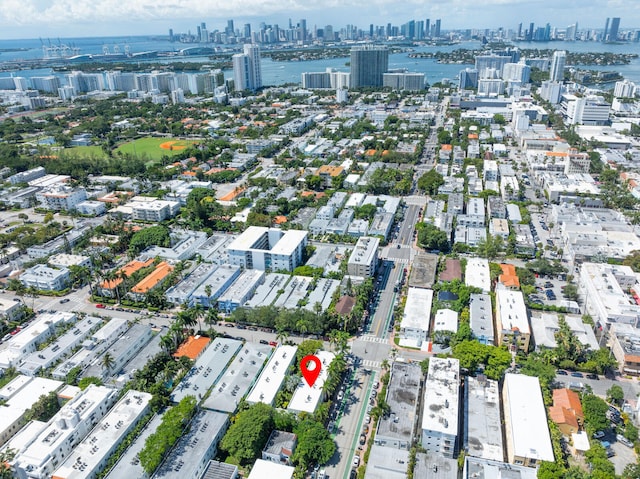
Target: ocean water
277	73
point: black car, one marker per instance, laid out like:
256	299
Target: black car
353	474
64	300
592	376
562	372
264	341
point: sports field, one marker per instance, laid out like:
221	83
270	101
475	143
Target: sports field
154	148
85	151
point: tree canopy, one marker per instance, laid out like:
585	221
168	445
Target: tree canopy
249	433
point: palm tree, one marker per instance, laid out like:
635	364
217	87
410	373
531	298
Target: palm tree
108	362
198	313
186	318
166	343
282	336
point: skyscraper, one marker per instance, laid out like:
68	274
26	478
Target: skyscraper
613	33
437	35
368	63
557	66
247	71
606	30
530	32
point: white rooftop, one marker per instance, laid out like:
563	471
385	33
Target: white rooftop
512	311
306	398
273	375
266	469
417	310
441	396
445	320
477	274
86	458
528	429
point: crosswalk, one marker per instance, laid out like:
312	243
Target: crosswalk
373	339
371	364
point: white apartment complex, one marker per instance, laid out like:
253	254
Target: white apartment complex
268	249
40	457
364	257
512	320
440	407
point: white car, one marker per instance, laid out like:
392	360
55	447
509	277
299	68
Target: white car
598	434
356	461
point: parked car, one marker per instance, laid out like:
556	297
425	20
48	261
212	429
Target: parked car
592	376
100	306
264	341
598	434
356	461
577	374
623	440
561	372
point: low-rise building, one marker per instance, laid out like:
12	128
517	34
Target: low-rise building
272	376
64	260
307	398
512	320
45	278
445	320
364	257
195	448
152	281
280	447
475	467
17	397
90	457
415	324
482	420
625	345
266	469
395	430
440	407
41	455
241	290
477	274
566	411
481	318
528	441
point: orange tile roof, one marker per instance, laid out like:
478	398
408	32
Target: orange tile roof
370	152
330	170
128	269
568	399
472	136
509	277
192	347
163	270
280	219
446	147
232	194
561	415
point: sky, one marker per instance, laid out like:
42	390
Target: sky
81	18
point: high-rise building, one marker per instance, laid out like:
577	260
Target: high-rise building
557	66
247	31
572	32
328	33
247	71
613	33
606	30
171	39
530	32
427	28
230	29
437	31
302	30
368	63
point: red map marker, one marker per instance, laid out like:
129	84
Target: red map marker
310	375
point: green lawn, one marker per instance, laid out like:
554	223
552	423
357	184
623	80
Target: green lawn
151	147
86	151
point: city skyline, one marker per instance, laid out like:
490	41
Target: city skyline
108	17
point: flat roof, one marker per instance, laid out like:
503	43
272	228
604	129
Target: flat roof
294	291
387	463
267	292
185	288
217	281
322	293
186	457
441	396
483	430
365	250
238	378
61	347
272	375
207	369
477	468
423	270
20	394
100	443
417	310
129	466
402	398
43	322
477	274
38	453
445	468
306	398
242	285
481	315
526	426
289	242
512	311
445	320
219	470
267	469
